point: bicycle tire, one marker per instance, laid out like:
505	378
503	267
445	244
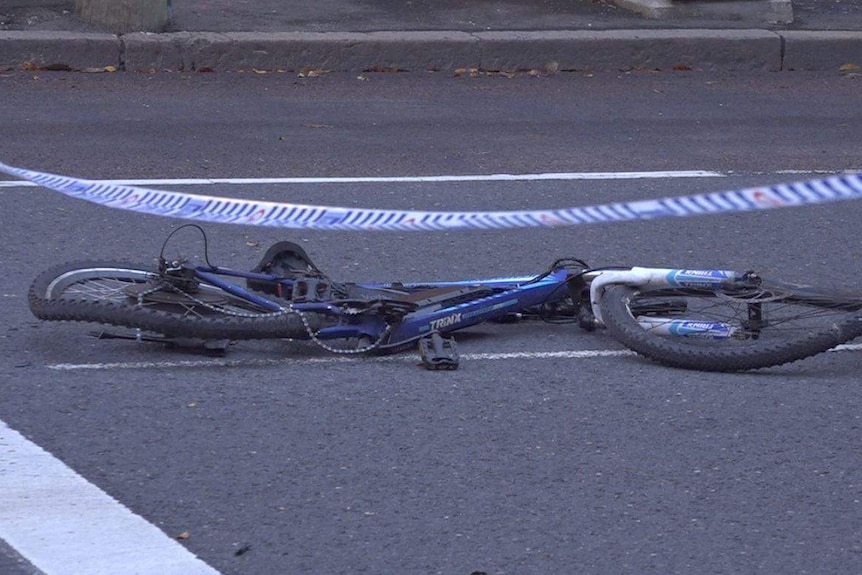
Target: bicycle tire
97	292
825	319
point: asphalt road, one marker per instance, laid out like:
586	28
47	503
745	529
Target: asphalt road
274	463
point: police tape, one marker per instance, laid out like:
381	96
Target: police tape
276	214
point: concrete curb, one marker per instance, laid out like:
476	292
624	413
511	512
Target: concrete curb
809	50
57	49
631	49
607	50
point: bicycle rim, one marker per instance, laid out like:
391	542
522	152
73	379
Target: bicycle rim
131	295
761	327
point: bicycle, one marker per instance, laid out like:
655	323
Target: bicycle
711	320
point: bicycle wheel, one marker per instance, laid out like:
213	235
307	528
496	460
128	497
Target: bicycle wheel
131	295
718	330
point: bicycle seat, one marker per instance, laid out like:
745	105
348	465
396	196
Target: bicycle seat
286	259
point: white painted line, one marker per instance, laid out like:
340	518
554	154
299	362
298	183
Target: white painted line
808	172
355	358
397	179
405	358
579	354
440	178
848	347
62	524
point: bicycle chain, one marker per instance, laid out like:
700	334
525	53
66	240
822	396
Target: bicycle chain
288	310
313	337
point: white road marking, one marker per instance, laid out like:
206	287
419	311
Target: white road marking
397	179
399	358
848	347
61	523
439	178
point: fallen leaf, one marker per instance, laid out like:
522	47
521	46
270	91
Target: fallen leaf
473	72
99	70
311	72
184	535
252	244
34	67
850	70
682	68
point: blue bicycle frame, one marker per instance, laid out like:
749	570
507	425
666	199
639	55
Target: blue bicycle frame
482	300
515	295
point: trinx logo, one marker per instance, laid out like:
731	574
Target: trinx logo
439	324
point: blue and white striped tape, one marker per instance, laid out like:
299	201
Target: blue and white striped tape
259	213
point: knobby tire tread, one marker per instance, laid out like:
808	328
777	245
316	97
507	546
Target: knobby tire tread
157	321
625	329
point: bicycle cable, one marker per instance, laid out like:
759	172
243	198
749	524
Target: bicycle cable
203	234
547	315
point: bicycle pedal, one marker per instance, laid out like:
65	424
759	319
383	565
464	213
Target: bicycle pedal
438	352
